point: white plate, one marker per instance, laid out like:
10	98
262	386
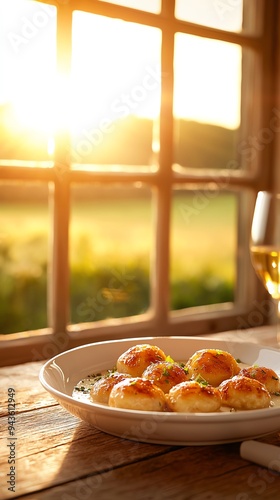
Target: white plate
60	375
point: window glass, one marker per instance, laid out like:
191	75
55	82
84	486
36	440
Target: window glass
147	5
116	90
24	236
222	14
110	248
203	248
207	94
27	84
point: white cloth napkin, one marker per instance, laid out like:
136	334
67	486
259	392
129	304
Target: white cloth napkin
267	455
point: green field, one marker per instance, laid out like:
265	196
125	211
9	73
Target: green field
111	243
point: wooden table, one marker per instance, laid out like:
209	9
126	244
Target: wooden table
57	456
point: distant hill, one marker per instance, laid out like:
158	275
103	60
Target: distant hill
197	145
126	142
200	145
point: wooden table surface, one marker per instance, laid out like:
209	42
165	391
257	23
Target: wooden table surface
57	456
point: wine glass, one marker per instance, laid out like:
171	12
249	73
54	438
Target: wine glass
265	245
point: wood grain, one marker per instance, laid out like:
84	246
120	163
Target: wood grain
214	472
60	457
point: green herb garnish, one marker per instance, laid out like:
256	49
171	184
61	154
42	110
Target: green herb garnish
169	359
201	380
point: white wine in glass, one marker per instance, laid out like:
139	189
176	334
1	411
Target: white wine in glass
265	244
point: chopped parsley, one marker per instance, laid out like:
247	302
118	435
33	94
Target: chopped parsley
166	372
91	379
201	380
82	388
169	359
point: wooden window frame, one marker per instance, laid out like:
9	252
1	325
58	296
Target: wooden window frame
60	335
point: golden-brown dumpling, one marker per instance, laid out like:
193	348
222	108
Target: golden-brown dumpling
136	359
212	365
243	393
165	374
101	389
266	376
137	394
192	397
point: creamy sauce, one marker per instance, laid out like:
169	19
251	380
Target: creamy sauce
276	401
81	391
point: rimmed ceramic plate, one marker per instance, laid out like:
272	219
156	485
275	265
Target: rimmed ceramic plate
60	375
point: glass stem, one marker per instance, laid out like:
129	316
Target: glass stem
278	323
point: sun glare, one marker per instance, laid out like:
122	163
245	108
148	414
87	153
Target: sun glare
115	72
28	63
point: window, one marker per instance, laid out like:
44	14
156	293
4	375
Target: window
136	134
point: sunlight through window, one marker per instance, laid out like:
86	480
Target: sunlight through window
116	81
222	14
27	86
207	101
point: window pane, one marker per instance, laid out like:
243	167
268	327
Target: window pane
110	248
24	234
147	5
221	14
27	84
116	85
203	248
207	96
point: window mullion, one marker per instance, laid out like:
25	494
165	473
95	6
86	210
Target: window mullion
59	277
60	195
168	8
164	193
